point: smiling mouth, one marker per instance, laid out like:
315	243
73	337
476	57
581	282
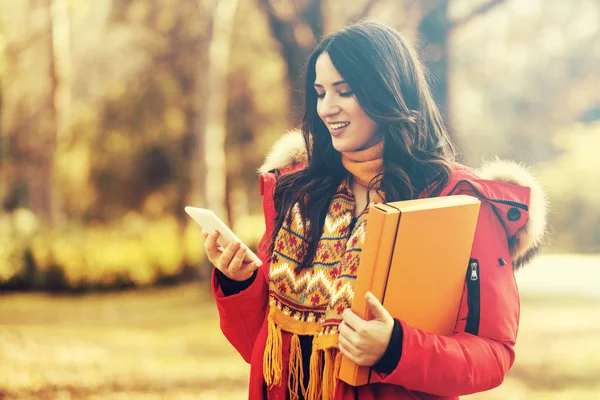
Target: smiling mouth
338	125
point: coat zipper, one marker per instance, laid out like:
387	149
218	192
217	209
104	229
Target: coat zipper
474	272
502	201
473	297
473	285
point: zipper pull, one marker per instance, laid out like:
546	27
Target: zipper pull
474	275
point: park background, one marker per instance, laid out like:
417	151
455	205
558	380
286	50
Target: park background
114	115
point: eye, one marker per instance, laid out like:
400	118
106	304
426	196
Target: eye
320	95
346	94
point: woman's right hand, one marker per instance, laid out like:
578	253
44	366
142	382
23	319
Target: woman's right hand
230	260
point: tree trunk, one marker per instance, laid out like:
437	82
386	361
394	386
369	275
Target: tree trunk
60	97
61	66
297	35
433	30
215	109
43	197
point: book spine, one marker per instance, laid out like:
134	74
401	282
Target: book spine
364	280
385	251
374	264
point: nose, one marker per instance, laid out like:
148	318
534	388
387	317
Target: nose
327	106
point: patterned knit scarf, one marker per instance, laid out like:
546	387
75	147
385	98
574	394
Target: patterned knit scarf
311	302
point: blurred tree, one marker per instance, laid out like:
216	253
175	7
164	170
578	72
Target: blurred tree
60	91
214	132
573	187
257	106
435	30
526	71
61	67
150	112
296	25
29	119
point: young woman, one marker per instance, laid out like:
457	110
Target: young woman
371	133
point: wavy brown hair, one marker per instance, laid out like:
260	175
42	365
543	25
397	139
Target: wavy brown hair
389	83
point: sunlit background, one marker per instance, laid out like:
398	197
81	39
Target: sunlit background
117	114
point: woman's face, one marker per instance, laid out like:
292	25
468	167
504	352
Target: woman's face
350	127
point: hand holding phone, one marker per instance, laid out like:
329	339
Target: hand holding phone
209	222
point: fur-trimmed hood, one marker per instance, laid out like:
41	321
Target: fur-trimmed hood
491	178
287	152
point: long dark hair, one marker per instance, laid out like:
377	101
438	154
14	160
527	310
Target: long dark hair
389	83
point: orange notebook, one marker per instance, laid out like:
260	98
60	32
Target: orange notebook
415	260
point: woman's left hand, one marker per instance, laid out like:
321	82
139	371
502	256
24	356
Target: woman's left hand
364	342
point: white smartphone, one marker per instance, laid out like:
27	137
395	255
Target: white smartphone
209	221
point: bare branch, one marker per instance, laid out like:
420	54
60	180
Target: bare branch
435	21
364	12
281	30
313	15
482	9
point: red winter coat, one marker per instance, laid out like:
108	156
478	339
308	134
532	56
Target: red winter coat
479	353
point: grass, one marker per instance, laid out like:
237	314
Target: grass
155	344
166	344
558	351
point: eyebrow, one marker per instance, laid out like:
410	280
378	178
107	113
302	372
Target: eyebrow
317	85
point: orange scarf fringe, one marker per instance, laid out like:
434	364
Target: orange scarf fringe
323	373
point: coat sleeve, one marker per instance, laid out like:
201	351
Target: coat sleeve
466	362
242	315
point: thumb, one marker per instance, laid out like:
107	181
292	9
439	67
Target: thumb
375	307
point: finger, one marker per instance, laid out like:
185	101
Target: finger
236	263
253	266
346	353
348	345
211	248
353	321
210	239
249	259
227	255
348	333
377	310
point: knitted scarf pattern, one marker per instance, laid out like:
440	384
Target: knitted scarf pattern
311	301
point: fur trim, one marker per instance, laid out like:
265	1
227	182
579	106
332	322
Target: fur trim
287	152
531	238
